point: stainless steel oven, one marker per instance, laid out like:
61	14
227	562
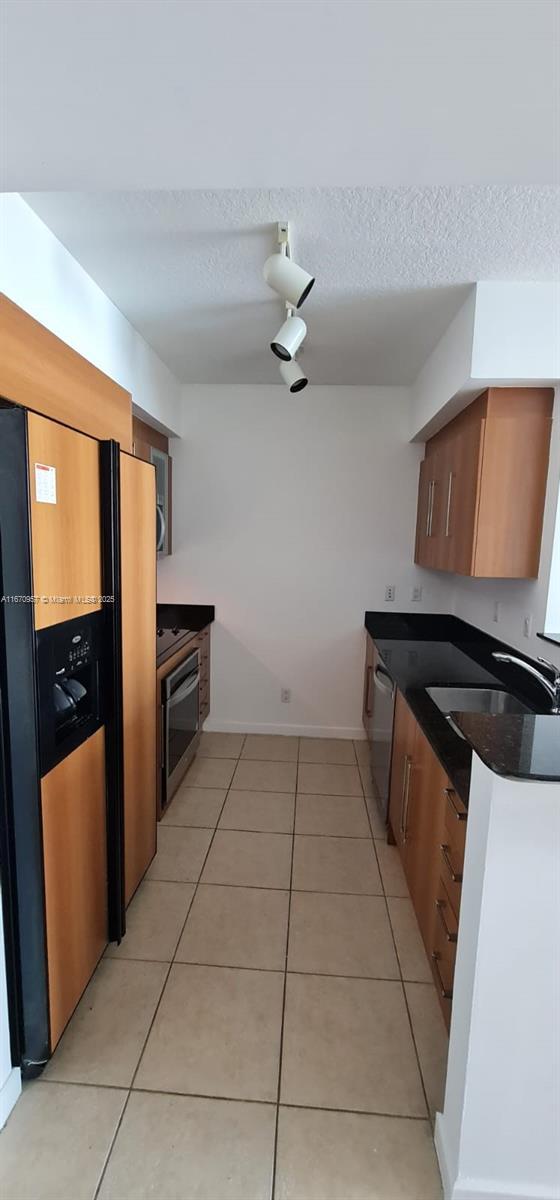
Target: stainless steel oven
180	725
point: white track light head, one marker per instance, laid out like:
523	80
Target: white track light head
289	338
293	376
291	282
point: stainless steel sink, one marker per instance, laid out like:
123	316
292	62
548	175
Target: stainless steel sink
478	700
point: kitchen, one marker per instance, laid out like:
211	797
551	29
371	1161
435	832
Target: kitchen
281	771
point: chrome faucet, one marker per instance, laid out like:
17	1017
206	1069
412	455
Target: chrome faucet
552	687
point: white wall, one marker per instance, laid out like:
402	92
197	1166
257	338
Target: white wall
444	375
291	514
473	599
516	332
505	333
39	274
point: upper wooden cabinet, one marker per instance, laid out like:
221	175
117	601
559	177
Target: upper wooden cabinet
483	484
42	373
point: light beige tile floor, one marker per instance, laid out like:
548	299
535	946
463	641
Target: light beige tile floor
195	806
271	981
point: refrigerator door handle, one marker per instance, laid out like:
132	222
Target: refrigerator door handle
113	685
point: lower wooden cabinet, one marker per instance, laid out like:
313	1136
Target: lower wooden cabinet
428	823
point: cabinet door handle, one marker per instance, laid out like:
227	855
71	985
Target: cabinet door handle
405	795
447	993
368	690
441	906
448	511
457	812
456	876
429	518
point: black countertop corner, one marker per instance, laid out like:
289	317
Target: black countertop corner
554	638
185	616
420	650
522	747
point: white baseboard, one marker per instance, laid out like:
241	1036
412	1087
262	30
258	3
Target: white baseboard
462	1188
214	725
9	1093
490	1189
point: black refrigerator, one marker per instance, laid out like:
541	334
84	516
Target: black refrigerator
60	698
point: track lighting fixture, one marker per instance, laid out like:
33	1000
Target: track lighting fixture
289	338
283	275
293	375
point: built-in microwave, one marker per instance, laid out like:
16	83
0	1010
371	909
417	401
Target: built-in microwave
161	463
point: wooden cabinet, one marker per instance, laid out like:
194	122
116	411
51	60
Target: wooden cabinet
482	487
42	373
138	599
428	822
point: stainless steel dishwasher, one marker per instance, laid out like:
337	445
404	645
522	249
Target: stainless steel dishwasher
380	707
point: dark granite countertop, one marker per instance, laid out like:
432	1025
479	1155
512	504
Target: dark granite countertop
554	638
525	747
421	650
185	616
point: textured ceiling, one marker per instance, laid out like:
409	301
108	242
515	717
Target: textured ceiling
111	94
392	268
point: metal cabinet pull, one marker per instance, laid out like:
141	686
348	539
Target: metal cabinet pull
456	876
431	495
457	812
447	993
405	795
448	511
440	906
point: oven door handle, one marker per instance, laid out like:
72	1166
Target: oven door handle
185	690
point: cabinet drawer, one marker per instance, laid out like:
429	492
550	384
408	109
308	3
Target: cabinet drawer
203	692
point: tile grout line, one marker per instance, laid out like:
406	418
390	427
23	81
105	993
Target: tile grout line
224	966
351	837
281	1046
157	1007
144	1091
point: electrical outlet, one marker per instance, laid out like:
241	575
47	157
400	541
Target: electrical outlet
497	610
285	695
417	592
527	625
390	591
